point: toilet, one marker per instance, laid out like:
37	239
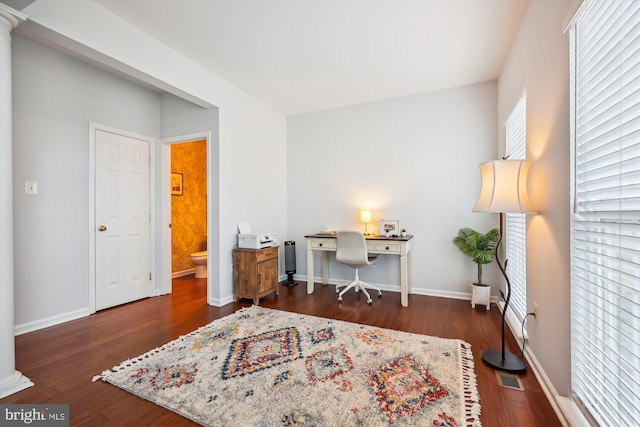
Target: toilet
200	260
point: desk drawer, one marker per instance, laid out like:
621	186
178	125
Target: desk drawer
324	244
384	248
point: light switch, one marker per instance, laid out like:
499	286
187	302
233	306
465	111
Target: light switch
31	188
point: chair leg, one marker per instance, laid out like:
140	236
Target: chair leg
375	288
363	289
358	285
349	286
342	286
353	284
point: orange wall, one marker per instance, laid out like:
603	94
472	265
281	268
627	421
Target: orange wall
189	211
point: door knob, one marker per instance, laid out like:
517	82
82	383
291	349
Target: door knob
102	228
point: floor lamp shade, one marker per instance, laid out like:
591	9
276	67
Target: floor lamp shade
504	187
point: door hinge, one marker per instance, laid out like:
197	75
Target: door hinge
149	276
149	161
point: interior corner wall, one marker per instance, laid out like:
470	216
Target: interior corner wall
414	159
54	99
539	63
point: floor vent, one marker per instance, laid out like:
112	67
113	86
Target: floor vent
509	381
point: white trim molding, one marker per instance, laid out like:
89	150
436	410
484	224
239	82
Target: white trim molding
51	321
396	288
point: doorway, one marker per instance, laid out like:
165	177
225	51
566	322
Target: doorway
188	206
185	204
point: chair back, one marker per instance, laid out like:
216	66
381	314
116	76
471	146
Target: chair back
352	249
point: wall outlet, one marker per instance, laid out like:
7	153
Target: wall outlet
535	309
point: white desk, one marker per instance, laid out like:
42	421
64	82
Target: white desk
399	246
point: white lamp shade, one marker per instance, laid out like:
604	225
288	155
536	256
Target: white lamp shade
365	215
504	187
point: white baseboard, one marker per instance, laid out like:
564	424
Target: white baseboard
565	409
14	383
547	387
395	288
572	412
219	302
183	273
50	321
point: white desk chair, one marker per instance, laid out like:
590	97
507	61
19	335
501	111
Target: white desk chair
352	251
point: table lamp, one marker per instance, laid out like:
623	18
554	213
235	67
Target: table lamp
365	216
504	190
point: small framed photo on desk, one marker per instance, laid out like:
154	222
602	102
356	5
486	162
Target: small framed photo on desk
389	227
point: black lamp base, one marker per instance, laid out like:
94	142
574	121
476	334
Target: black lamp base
511	363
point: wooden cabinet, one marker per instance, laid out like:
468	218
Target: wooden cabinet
255	273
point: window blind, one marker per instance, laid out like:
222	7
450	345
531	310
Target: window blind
515	224
605	225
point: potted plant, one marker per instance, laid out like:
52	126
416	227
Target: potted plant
481	249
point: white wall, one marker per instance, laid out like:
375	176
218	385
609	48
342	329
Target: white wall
54	99
414	159
250	136
539	63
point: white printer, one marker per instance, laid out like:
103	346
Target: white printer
249	240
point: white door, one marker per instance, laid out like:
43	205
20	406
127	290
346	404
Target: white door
122	219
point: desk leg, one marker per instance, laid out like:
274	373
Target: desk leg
309	268
404	280
325	268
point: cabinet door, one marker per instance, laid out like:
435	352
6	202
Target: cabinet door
267	275
244	273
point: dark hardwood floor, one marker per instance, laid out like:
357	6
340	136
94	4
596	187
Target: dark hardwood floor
61	360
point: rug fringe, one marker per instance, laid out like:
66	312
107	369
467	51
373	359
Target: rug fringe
98	377
471	396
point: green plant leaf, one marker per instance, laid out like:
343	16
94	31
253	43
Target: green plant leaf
477	246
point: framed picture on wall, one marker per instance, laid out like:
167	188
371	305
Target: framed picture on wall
389	227
176	184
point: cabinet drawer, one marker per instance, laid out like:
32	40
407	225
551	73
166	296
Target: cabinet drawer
327	244
384	248
266	254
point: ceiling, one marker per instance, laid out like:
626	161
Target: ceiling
301	56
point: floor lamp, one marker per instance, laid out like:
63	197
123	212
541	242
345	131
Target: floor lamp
504	190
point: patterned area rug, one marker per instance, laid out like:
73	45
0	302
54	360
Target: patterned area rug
264	367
